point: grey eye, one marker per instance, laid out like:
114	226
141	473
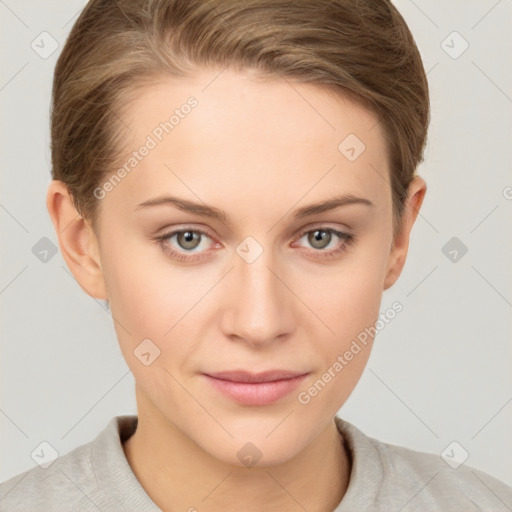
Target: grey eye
188	239
318	238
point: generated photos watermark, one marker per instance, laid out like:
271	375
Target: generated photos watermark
156	136
357	345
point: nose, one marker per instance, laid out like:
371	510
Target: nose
258	307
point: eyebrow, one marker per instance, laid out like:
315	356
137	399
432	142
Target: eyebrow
215	213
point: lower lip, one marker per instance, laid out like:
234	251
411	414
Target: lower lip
256	393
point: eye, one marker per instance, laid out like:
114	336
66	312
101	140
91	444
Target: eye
188	243
321	238
187	240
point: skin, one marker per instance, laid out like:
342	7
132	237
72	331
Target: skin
258	150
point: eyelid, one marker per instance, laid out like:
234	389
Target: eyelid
171	231
322	225
168	232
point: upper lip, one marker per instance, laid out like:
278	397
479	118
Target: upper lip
266	376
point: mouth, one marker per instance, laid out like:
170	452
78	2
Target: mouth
248	388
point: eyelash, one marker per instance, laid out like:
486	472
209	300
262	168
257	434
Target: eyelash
349	241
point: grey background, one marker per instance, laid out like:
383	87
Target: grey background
440	371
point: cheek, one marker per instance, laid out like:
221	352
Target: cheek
350	307
349	303
142	299
152	299
349	298
143	291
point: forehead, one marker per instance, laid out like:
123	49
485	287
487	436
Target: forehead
272	139
229	100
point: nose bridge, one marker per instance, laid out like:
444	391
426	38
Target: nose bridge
259	308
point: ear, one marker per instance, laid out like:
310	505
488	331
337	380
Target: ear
398	253
77	240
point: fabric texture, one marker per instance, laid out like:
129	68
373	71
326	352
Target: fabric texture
96	476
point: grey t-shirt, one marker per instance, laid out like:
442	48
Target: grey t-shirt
96	477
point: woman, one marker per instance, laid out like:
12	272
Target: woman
237	180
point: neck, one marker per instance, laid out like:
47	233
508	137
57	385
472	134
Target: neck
178	475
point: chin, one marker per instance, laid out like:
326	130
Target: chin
251	444
254	454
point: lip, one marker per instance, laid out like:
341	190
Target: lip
255	388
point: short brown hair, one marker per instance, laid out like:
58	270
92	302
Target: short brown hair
362	49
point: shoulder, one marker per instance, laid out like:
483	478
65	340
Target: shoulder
412	480
430	479
94	476
67	480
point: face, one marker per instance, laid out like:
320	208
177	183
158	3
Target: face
265	284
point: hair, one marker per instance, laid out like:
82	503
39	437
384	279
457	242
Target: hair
362	49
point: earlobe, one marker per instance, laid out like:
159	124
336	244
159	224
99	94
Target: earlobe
77	241
398	254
